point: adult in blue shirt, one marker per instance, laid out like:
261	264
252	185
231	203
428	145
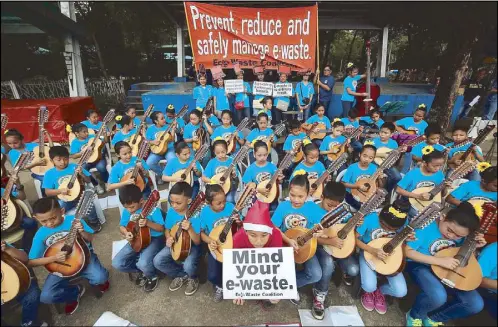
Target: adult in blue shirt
326	87
349	92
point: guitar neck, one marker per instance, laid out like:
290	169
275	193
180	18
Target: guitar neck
9	186
283	165
73	232
467	152
41	144
350	225
386	164
303	239
397	240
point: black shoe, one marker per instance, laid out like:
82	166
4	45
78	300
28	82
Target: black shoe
348	280
95	225
140	280
150	284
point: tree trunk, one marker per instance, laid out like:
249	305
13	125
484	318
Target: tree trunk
326	51
99	55
351	45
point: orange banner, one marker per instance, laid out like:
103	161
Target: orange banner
221	35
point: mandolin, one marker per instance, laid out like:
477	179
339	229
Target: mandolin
168	135
468	155
395	262
339	149
317	131
277	131
490	233
11	212
137	138
304	237
136	173
16	278
180	249
316	185
267	190
346	232
141	235
223	234
468	275
41	151
224	178
96	144
78	253
401	130
187	174
231	138
202	137
435	191
382	152
74	184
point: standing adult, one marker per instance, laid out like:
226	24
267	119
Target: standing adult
490	105
473	87
325	84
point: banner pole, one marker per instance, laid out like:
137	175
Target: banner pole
317	48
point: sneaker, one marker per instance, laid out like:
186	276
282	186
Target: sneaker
140	280
348	280
412	322
318	309
150	284
73	306
218	294
192	286
100	190
428	322
380	302
296	301
95	225
104	287
367	301
177	283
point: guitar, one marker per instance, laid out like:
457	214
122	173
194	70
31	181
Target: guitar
78	253
96	144
137	138
231	139
168	135
401	130
74	184
136	173
346	232
11	212
224	178
267	190
141	235
223	234
5	121
392	246
202	137
435	191
320	133
339	149
16	278
468	155
187	174
304	237
277	131
384	151
180	249
468	275
41	151
316	185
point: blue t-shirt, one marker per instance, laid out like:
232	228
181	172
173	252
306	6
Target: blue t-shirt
283	99
211	219
324	120
120	169
77	144
291	140
155	216
429	240
305	91
472	191
415	179
257	134
314	171
257	174
324	94
417	149
136	123
201	95
371	229
286	217
355	173
14	154
173	218
14	192
460	149
153	133
225	133
329	142
221	99
369	121
175	165
213	121
409	124
487	261
242	96
351	83
120	136
215	166
180	123
189	132
95	127
46	236
350	124
377	142
54	177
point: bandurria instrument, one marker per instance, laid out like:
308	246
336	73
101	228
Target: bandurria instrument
468	155
168	134
16	278
141	235
223	178
41	151
392	246
78	253
74	184
231	140
187	174
382	152
135	173
137	138
341	148
468	275
95	144
316	185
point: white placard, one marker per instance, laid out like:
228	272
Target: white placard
265	273
262	88
282	90
234	86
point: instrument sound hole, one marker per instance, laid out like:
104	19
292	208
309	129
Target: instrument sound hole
387	248
268	187
367	185
70	185
222	179
183	176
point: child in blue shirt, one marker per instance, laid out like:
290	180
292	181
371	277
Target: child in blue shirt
129	261
182	160
489	285
55	225
379	225
310	164
305	90
318	118
416	123
128	129
132	113
153	134
202	92
221	98
460	134
180	197
474	191
243	98
262	132
267	103
125	165
350	124
349	92
374	119
260	75
215	214
78	147
281	103
62	171
226	130
431	307
432	135
92	121
295	135
197	119
332	144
